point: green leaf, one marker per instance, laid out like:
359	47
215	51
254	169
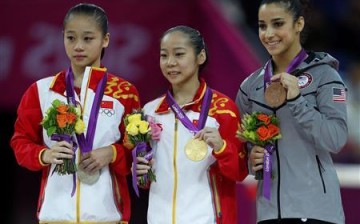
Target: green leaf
51	130
56	103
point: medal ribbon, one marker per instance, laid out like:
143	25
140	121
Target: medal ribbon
269	149
86	144
295	62
184	119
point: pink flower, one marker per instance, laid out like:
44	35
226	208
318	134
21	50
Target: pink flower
155	128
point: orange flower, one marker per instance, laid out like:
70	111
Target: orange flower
273	130
62	109
265	118
61	119
71	118
263	133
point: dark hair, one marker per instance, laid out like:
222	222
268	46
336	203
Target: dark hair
95	11
196	40
296	8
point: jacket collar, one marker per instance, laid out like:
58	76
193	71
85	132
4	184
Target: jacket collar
164	107
59	82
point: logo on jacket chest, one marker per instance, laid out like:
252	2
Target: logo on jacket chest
107	108
305	80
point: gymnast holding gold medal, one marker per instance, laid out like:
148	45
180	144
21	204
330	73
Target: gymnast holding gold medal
198	158
196	148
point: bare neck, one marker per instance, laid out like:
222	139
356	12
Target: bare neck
185	93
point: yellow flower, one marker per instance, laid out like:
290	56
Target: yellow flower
134	118
143	127
79	126
132	129
78	110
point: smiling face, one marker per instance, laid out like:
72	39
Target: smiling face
278	31
84	41
178	61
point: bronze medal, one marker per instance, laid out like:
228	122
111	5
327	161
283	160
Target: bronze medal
196	150
275	94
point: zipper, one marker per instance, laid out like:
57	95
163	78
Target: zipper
175	173
279	179
321	170
279	182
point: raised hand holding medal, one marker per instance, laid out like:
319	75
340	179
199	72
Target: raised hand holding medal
195	149
276	87
275	94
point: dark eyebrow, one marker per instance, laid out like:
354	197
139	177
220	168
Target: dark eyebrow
177	48
180	48
86	32
272	20
277	19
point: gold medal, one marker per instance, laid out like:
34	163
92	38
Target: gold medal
275	94
196	149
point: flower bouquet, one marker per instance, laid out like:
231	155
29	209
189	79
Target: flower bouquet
262	130
140	130
61	122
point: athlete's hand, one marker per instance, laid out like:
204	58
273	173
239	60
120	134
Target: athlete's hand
57	152
143	166
257	158
96	159
289	82
212	137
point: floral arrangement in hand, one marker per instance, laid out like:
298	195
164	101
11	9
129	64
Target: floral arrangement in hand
262	130
140	130
259	129
61	122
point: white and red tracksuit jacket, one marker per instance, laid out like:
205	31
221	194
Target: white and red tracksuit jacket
201	192
106	201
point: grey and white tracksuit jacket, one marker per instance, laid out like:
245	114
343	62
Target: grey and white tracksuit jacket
313	125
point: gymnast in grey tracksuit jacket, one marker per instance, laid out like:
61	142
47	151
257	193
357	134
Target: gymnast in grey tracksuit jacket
313	125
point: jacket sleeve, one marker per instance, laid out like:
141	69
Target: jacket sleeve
27	141
245	107
326	124
232	158
242	100
123	158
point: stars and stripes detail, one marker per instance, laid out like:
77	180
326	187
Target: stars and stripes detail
339	94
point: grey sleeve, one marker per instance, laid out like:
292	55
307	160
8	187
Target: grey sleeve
242	100
325	125
244	106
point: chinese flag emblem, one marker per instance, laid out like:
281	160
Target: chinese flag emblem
107	104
